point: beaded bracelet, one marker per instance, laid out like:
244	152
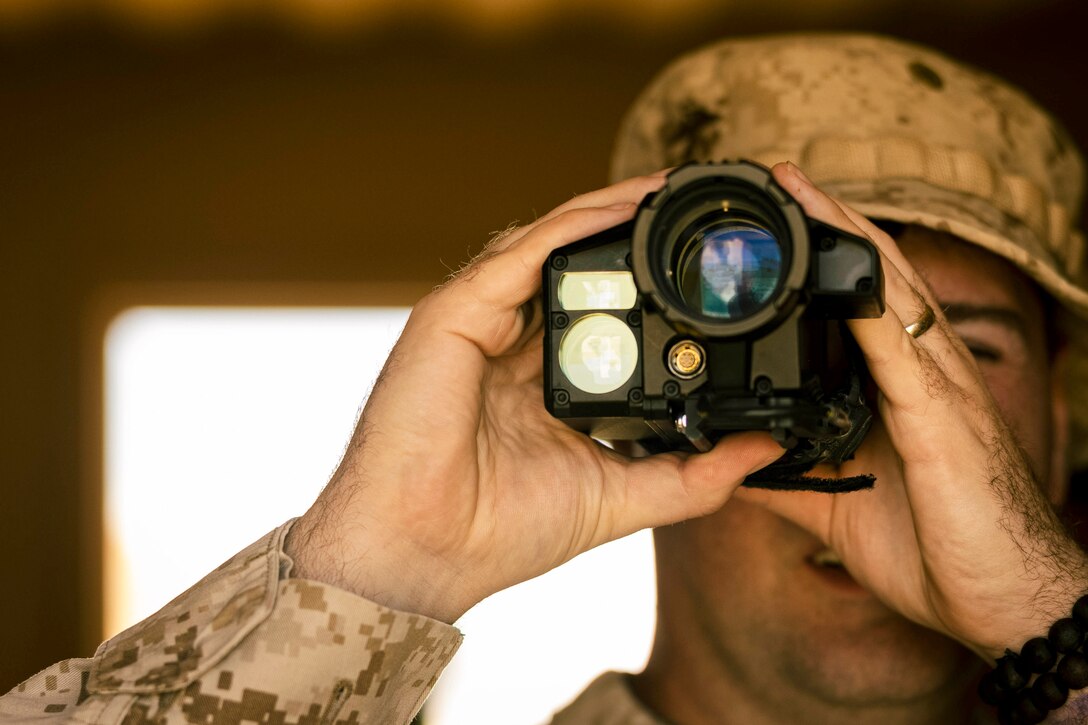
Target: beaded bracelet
1009	685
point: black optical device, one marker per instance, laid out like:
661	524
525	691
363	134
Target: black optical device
719	308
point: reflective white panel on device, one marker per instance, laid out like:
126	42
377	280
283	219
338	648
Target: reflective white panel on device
597	291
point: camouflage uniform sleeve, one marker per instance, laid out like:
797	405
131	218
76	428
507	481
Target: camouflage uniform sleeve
249	644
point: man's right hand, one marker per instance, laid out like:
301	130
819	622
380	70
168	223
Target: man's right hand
457	482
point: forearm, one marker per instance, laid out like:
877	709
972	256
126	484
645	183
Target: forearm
248	639
386	569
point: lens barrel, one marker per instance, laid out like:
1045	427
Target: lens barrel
721	250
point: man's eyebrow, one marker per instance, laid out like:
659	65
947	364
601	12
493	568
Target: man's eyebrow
1005	316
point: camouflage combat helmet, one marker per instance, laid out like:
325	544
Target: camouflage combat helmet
898	132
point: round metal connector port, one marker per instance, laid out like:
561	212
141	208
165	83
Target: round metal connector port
686	359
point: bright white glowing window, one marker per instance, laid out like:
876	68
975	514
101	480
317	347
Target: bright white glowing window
221	423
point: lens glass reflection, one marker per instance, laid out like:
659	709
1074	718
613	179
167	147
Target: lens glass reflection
598	353
597	291
729	269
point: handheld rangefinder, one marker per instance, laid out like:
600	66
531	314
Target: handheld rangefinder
719	308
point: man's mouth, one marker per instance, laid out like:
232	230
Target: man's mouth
826	558
827	564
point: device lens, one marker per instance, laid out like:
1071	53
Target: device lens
729	269
598	353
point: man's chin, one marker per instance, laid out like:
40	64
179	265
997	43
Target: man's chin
859	659
780	614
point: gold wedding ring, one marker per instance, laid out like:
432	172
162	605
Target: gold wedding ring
918	328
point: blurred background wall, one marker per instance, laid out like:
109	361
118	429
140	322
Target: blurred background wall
290	152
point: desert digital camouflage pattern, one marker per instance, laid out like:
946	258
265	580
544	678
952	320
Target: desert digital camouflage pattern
249	645
898	132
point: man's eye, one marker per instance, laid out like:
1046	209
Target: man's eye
984	353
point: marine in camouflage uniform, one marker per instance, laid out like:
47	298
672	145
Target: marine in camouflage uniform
896	131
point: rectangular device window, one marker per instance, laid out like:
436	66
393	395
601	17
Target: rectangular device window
597	291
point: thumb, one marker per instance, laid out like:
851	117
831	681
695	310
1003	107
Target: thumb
668	488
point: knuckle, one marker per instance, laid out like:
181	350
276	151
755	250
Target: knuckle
426	306
570	214
499	236
932	378
494	247
470	269
565	217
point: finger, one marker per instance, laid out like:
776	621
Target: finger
483	305
632	190
909	280
905	293
629	191
917	284
933	401
900	291
884	243
899	295
905	282
504	332
894	254
669	488
910	371
817	205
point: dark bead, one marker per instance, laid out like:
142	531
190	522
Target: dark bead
1011	718
1009	673
1066	635
989	691
1026	711
1080	612
1049	692
1037	655
1073	669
